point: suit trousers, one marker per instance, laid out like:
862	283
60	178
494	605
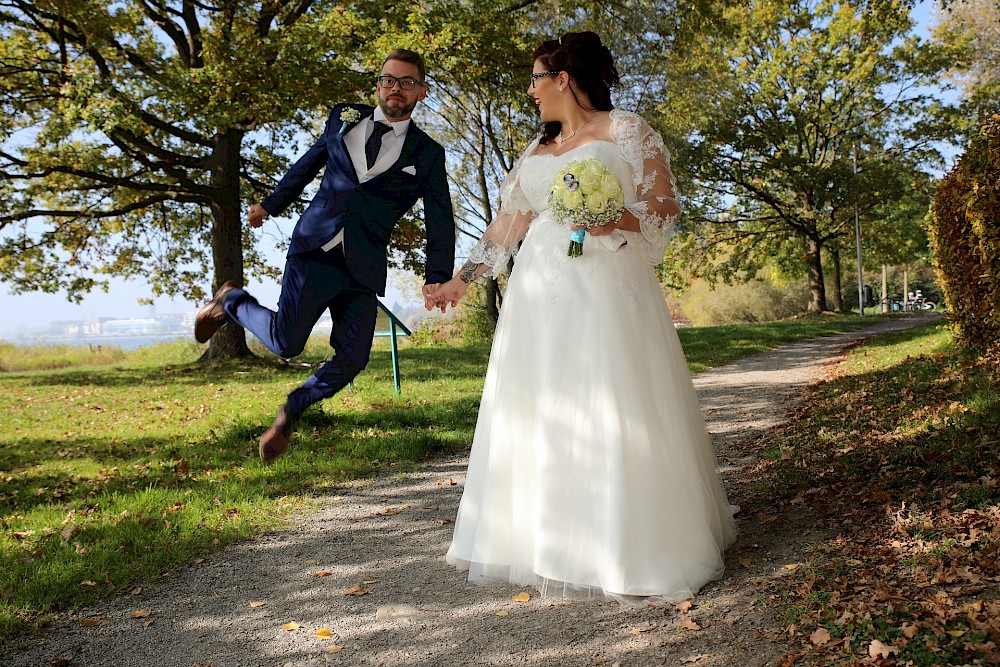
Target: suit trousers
313	282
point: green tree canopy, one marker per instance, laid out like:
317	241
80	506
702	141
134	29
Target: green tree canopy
776	114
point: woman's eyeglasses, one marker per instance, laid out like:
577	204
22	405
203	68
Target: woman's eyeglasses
540	75
386	81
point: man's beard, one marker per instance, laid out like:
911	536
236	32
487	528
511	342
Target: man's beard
396	107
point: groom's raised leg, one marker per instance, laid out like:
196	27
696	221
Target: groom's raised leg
306	289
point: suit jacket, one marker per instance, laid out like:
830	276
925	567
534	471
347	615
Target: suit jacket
368	212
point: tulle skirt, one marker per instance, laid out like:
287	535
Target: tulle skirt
591	471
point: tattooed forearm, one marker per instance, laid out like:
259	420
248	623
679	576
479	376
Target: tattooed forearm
469	272
473	269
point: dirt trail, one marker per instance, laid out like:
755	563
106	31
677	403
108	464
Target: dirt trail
420	611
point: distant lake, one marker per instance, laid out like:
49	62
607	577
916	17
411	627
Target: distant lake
122	342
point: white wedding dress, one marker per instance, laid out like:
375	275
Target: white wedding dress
591	471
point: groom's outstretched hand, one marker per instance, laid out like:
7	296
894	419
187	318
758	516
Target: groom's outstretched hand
256	215
428	290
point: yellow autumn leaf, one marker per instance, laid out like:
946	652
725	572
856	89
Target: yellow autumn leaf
333	649
688	624
142	613
324	573
254	605
820	636
956	633
520	597
793	566
636	631
291	626
502	613
324	633
877	649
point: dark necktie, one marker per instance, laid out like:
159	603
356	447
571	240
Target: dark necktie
375	142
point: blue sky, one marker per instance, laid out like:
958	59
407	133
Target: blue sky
29	312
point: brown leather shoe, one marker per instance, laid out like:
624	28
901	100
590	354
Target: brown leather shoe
275	440
212	315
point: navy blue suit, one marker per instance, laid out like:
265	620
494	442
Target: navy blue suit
345	280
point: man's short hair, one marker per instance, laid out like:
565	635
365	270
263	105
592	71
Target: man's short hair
408	56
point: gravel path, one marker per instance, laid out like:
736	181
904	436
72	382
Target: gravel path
388	537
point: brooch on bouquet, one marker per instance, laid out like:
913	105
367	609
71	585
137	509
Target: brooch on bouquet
349	116
588	194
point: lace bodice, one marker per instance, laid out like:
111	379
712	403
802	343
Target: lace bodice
637	156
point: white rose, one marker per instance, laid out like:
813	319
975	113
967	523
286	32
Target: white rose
573	199
596	202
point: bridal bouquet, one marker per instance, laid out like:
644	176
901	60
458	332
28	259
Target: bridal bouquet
585	193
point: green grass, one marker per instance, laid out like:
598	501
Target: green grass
119	467
706	347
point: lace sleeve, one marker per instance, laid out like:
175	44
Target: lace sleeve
509	226
656	204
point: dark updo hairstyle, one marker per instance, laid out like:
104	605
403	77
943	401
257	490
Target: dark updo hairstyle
589	64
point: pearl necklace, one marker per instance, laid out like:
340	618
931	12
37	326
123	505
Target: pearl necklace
563	139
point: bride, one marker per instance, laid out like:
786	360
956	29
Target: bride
591	471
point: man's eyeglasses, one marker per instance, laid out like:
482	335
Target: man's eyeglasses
540	75
386	81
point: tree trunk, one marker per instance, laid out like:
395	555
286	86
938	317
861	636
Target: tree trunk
817	290
227	238
838	292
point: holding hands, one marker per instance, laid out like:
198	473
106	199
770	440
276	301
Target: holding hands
441	296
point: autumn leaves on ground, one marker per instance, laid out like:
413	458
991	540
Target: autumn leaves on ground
896	459
115	473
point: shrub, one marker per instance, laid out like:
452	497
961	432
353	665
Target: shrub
966	241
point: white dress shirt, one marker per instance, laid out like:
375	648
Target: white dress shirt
354	141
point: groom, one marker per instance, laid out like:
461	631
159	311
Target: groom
378	163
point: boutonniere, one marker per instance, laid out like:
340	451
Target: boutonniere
349	116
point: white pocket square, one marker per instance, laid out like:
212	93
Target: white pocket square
411	170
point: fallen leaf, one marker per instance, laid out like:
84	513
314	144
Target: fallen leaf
291	626
502	613
638	631
311	561
333	649
324	573
910	631
93	622
694	658
520	597
820	636
142	613
257	604
688	624
88	583
744	561
793	566
956	633
357	590
879	650
136	590
684	606
324	633
447	522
